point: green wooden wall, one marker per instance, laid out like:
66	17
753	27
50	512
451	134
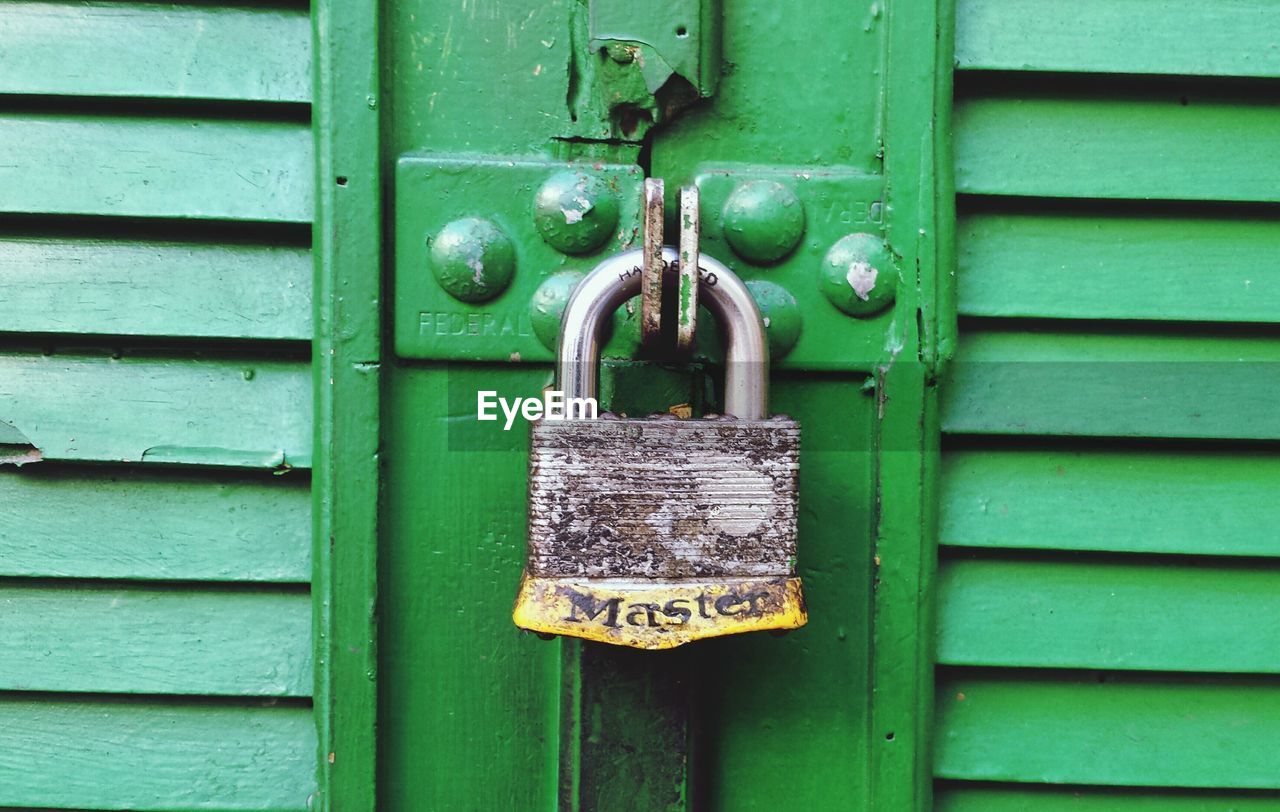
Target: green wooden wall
156	192
1108	584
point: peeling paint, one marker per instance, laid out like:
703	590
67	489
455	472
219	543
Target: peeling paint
862	278
16	448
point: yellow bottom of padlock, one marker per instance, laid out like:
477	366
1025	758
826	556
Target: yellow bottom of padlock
657	614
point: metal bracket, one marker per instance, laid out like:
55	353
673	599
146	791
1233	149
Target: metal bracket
487	250
780	229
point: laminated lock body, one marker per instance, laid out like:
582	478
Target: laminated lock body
663	498
655	532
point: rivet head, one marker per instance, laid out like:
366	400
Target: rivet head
548	304
472	259
763	221
858	275
781	314
575	212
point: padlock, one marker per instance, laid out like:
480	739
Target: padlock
654	532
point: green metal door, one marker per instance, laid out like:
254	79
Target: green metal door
800	128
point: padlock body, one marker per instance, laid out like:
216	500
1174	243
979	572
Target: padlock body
653	532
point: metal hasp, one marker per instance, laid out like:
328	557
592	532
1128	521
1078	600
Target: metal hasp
656	270
689	269
651	533
654	267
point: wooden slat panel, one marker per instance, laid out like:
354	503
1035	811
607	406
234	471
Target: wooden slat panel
958	797
1133	385
250	413
156	640
1157	501
155	50
119	287
1083	266
1115	614
1122	732
156	167
154	756
130	524
1222	38
1117	147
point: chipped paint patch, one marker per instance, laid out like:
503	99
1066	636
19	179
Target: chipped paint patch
862	278
574	214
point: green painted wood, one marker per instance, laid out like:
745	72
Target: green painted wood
156	51
1157	500
347	381
1106	264
959	797
252	413
156	167
454	518
70	522
1213	147
1222	38
156	755
158	640
1136	615
128	287
786	722
1125	731
1209	385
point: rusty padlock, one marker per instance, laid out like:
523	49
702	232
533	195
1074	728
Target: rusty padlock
651	533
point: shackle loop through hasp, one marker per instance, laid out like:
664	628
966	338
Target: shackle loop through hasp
617	279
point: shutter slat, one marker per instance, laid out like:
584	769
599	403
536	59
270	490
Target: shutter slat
158	640
1117	147
957	797
124	523
1222	38
1125	731
1154	500
124	287
1082	265
156	167
1154	616
154	755
154	50
252	413
1126	385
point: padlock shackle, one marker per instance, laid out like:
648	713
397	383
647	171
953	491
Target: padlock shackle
617	279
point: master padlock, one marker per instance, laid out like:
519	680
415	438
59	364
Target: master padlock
654	532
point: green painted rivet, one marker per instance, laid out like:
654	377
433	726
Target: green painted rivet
547	306
763	221
781	314
858	275
576	213
472	259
